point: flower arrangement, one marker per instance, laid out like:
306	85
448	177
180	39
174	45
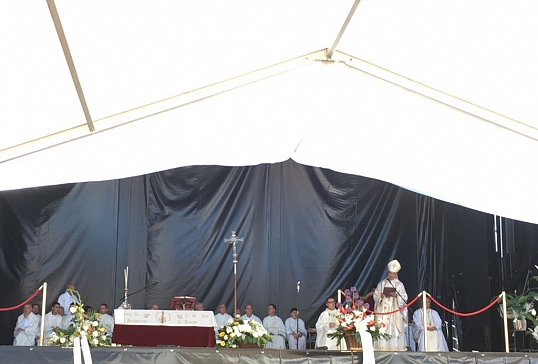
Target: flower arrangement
239	330
353	317
82	325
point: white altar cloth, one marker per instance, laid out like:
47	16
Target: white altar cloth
164	318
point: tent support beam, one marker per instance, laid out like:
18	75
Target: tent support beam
437	95
69	59
343	29
157	107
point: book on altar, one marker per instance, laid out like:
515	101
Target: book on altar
388	290
183	303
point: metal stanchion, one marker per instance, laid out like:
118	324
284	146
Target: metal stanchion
424	323
505	322
43	308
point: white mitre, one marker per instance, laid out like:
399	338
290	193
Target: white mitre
394	266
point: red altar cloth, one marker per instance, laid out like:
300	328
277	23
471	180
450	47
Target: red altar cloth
144	335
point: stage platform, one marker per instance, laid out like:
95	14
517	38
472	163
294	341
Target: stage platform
175	355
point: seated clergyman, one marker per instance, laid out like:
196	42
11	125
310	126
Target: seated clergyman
27	328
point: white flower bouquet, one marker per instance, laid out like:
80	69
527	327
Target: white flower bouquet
242	331
82	325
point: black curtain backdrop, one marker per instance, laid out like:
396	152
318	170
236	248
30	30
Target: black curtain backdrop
327	229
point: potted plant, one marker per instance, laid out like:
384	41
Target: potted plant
354	319
242	333
520	307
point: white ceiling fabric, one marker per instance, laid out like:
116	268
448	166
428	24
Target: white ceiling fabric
160	80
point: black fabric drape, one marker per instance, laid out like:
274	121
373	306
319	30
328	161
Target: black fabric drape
326	229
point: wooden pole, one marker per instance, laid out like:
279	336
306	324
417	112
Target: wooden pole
235	287
234	240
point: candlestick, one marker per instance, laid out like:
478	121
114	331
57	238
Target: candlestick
126	275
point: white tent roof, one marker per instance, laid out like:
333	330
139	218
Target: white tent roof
435	97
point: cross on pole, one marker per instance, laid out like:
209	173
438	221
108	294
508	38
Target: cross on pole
234	240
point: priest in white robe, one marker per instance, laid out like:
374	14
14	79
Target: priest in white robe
221	317
53	321
295	331
67	298
435	338
27	328
327	322
249	315
36	309
275	327
107	321
395	323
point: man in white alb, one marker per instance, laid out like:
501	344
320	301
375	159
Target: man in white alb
106	320
26	328
66	318
36	309
221	317
53	321
68	297
327	322
295	331
275	327
249	315
435	338
390	295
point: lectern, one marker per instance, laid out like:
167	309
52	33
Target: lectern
183	303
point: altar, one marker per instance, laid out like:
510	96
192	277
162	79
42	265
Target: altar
164	328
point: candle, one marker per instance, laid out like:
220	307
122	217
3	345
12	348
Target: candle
126	276
339	296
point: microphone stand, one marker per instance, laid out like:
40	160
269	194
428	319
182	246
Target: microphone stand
140	290
297	330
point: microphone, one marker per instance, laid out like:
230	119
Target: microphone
298	286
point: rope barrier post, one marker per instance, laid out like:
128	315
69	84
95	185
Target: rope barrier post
43	307
424	324
505	322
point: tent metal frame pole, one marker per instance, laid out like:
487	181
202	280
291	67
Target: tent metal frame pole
160	106
343	29
70	63
431	93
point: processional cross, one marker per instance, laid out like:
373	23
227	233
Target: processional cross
234	240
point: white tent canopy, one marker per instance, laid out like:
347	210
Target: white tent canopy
435	97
